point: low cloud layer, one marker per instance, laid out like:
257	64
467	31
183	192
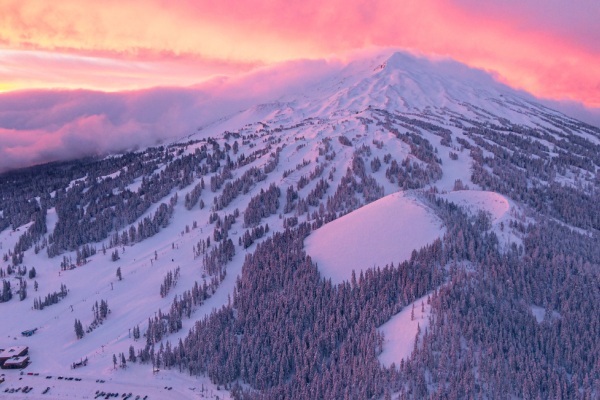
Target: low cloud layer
38	126
574	109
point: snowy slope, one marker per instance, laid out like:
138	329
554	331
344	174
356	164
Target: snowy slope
497	205
54	347
500	209
383	232
401	330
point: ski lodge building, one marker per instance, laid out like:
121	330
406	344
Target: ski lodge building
14	357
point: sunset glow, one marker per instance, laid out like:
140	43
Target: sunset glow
118	45
360	199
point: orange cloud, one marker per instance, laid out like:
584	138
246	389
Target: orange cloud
151	42
109	71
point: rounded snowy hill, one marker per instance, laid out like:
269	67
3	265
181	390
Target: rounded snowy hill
383	232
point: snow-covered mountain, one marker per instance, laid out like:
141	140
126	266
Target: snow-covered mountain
443	190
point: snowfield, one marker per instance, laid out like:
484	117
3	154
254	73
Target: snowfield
137	381
383	232
400	332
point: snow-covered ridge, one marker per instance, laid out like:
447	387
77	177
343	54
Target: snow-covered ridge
378	234
497	205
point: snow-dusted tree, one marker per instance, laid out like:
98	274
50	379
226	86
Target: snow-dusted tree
132	357
78	329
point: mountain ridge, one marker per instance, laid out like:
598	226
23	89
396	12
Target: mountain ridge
499	196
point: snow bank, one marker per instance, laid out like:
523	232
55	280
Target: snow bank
385	231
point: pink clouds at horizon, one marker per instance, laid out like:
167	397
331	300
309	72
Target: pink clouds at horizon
544	47
43	125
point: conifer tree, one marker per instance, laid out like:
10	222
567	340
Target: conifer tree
78	329
132	357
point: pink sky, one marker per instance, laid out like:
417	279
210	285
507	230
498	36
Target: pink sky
97	77
549	48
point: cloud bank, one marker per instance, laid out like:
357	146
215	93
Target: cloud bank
38	126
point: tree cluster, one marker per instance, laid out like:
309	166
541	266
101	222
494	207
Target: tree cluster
262	205
169	282
248	238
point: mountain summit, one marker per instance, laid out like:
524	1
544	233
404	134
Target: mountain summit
404	83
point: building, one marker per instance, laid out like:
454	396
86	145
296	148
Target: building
16	362
15	351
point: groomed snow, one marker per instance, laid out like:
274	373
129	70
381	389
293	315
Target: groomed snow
385	231
54	346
